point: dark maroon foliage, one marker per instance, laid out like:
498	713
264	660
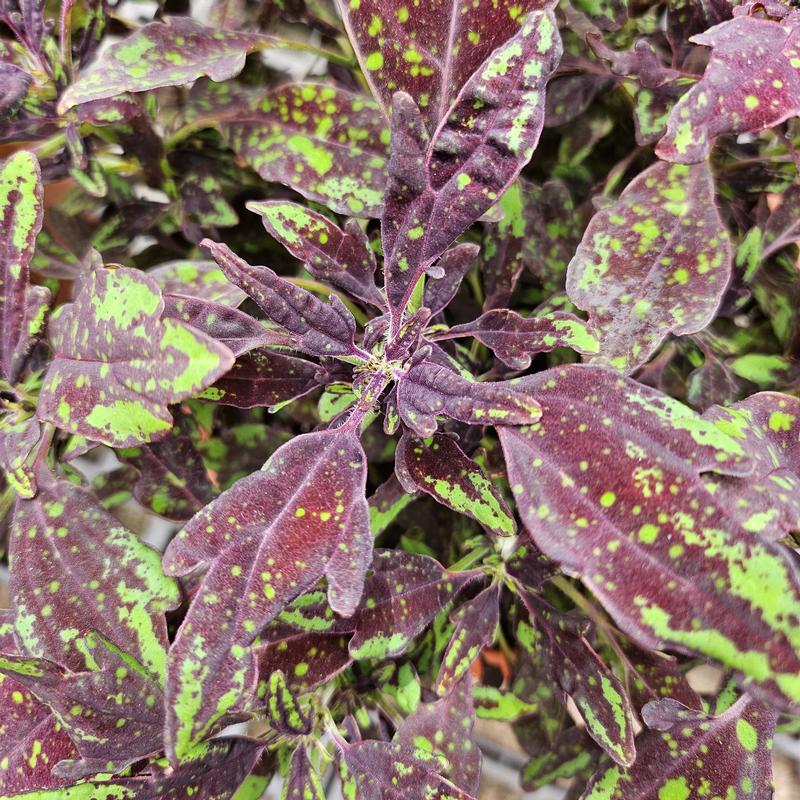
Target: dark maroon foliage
437	363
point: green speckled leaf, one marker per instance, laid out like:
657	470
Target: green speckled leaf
656	262
686	754
22	306
200	280
171	53
264	541
75	570
326	143
624	506
117	365
439	467
302	782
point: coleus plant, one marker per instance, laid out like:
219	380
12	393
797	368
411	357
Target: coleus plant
534	468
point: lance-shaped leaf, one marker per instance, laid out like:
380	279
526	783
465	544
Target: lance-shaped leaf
14	83
114	714
515	339
688	754
439	467
656	262
656	676
580	672
402	595
389	499
391	771
326	143
686	575
428	390
454	264
445	728
265	540
428	51
322	329
435	193
571	755
767	502
199	280
31	739
264	378
22	306
18	440
171	53
173	481
475	623
76	570
343	258
283	710
302	781
752	82
117	365
238	331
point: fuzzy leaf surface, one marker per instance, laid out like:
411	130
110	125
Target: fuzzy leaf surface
428	51
117	364
327	143
171	53
321	329
724	756
440	468
22	306
264	541
686	576
752	82
438	188
428	390
302	781
656	262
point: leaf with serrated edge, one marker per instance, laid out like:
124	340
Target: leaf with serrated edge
437	190
265	540
656	262
430	50
686	754
321	329
22	306
117	365
428	390
75	570
302	781
439	467
171	53
687	577
325	142
752	82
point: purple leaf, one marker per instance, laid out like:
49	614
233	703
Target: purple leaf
199	280
18	440
321	329
428	51
302	781
428	390
22	306
283	711
173	481
14	83
402	595
656	262
389	499
238	331
656	677
571	755
265	540
445	728
575	666
390	771
475	623
171	53
74	571
751	83
343	258
324	142
515	339
687	575
724	756
263	377
117	364
440	468
437	191
454	264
